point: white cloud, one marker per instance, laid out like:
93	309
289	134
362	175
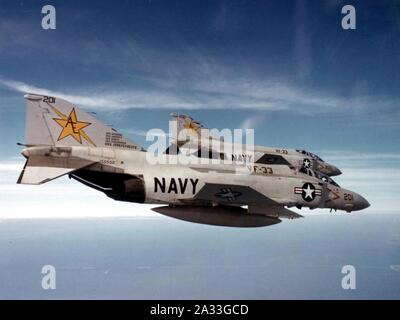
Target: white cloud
143	133
61	198
376	176
212	93
10	166
344	155
395	267
252	122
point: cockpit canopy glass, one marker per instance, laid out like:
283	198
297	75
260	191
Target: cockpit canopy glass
319	176
326	178
310	154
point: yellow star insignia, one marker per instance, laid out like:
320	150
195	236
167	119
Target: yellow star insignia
191	126
71	127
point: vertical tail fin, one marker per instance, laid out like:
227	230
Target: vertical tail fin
52	121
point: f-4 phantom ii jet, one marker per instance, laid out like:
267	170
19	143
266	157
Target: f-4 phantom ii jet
298	159
63	140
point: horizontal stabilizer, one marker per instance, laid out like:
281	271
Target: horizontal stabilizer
41	169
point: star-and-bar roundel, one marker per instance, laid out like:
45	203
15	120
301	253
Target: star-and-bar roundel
228	194
307	163
308	192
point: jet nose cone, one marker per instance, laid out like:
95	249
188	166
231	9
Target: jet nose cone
335	171
360	202
328	169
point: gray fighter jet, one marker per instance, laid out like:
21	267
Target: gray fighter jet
63	140
268	155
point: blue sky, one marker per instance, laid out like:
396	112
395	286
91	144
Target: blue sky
286	68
